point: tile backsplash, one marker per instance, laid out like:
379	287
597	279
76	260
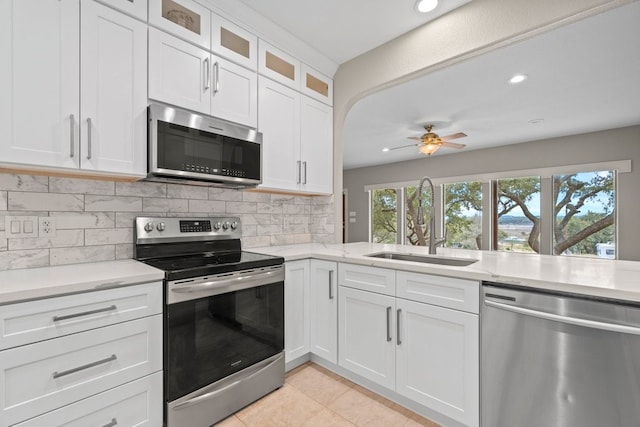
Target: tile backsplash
94	219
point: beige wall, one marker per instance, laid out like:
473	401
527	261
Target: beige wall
477	27
616	144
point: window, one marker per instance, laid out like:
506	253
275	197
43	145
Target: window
584	214
518	215
463	214
417	235
384	214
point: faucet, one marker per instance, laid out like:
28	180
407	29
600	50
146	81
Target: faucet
433	241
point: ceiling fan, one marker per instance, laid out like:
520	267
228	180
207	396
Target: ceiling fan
430	142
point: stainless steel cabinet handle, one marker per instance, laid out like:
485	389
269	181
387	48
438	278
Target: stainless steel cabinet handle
330	284
566	319
89	138
84	313
388	324
216	81
398	341
304	166
113	422
72	140
111	358
207	74
299	172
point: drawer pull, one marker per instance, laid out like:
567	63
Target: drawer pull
111	358
113	423
84	313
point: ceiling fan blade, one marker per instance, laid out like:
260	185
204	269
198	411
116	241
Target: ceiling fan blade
415	138
403	146
454	136
452	145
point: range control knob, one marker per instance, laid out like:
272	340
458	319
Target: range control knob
216	226
148	227
160	226
225	225
234	225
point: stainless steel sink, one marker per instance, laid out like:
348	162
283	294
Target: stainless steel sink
426	259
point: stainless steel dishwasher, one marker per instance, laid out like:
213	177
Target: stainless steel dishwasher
553	359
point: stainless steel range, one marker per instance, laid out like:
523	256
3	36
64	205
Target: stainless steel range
224	317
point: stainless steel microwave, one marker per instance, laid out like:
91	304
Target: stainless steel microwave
190	148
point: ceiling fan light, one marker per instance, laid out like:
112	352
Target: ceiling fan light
426	6
429	148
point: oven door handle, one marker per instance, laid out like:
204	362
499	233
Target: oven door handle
237	282
207	396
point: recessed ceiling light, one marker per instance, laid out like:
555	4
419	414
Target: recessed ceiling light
385	149
518	78
426	6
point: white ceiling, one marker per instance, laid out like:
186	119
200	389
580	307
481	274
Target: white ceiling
342	30
583	77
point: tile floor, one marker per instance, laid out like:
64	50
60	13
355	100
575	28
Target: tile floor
315	397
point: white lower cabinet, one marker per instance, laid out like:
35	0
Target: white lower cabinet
425	352
437	359
296	309
365	334
138	403
324	309
74	348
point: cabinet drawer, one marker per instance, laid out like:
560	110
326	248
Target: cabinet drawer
29	322
372	279
183	18
41	377
138	403
459	294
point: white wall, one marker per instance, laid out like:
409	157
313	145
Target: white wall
610	145
477	27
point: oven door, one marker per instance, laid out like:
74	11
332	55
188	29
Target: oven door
212	337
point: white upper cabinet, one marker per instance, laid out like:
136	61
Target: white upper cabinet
233	42
279	122
113	92
234	91
136	8
179	73
316	85
277	65
316	146
39	82
183	18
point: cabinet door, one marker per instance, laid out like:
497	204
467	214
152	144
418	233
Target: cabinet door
438	359
324	309
113	91
136	8
296	309
277	65
366	344
316	146
233	42
179	73
279	121
234	93
316	85
39	82
183	18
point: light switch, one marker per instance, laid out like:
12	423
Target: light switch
15	227
27	226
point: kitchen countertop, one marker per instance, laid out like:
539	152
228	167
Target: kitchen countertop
585	276
44	282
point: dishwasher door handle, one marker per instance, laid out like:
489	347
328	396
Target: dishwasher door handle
605	326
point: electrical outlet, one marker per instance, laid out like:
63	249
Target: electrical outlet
47	226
